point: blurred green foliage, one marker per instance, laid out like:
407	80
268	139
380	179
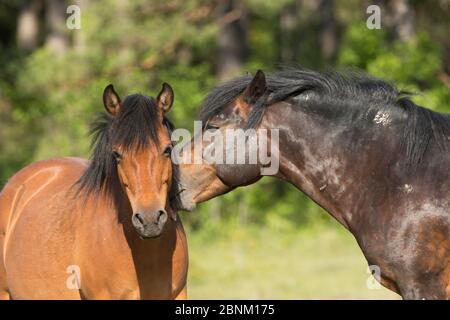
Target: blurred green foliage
412	65
48	100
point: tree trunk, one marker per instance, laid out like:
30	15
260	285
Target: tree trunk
402	19
232	40
55	16
79	41
289	36
28	25
328	30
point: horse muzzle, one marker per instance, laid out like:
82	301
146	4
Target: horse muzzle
149	224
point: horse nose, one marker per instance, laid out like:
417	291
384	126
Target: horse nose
143	220
150	224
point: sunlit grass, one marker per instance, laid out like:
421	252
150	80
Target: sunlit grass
253	263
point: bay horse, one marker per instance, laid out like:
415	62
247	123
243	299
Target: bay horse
73	229
362	150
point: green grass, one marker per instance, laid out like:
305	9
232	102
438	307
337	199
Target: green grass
255	263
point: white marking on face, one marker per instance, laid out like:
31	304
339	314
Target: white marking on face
382	118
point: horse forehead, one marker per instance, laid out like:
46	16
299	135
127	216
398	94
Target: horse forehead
149	153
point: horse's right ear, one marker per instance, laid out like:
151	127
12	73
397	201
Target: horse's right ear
111	100
256	88
165	98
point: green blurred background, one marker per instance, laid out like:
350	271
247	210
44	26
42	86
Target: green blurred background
262	241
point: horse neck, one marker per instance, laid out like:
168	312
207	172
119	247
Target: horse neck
334	162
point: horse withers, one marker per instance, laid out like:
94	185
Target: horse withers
362	150
74	229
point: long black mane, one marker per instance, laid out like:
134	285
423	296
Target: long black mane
134	127
331	88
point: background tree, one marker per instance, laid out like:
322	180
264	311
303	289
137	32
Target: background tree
28	25
231	39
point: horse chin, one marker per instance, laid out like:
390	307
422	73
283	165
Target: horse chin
153	234
142	237
186	202
189	206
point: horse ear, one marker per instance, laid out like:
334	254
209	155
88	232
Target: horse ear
111	100
165	98
256	88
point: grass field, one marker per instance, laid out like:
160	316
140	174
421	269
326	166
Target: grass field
249	263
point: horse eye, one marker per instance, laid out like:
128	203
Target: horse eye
117	156
211	127
168	151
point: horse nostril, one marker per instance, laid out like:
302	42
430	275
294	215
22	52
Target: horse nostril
139	218
160	215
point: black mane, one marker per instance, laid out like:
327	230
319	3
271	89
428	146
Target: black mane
350	88
133	127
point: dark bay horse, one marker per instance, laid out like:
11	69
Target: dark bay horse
363	151
73	229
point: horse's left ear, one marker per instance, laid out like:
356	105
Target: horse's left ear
165	98
256	88
111	100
